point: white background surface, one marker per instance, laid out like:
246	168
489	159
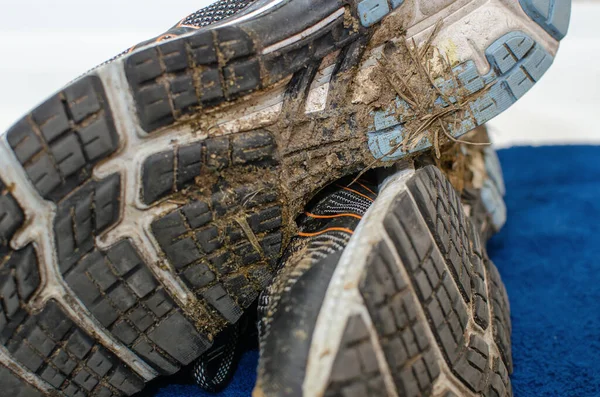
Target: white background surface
46	43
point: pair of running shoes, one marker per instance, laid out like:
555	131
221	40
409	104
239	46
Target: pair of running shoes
324	158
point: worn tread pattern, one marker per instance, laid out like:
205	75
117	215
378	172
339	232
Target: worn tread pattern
225	247
13	386
214	65
435	302
11	217
450	275
455	237
446	295
402	334
236	234
62	139
114	285
166	173
122	294
355	371
88	211
49	345
436	305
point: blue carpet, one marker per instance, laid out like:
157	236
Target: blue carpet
549	258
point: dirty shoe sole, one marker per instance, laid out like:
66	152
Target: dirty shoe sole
144	206
412	306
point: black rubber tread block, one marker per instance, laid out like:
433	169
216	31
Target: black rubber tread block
158	176
433	275
480	293
441	207
438	294
252	147
355	371
62	139
52	347
351	57
217	64
501	324
233	43
207	245
184	94
87	212
499	383
220	300
11	217
393	309
13	386
19	279
202	48
295	320
167	172
123	295
241	77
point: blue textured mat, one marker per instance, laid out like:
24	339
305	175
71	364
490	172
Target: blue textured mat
549	257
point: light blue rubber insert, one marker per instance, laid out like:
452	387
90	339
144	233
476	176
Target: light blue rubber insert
517	64
494	204
396	3
552	15
372	11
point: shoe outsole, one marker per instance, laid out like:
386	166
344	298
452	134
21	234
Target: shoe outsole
152	196
412	307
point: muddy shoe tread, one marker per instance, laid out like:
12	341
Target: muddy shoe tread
132	143
434	305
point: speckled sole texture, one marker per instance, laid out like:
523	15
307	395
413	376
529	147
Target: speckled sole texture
152	196
410	306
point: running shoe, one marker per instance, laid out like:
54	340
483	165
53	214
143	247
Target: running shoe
145	205
388	291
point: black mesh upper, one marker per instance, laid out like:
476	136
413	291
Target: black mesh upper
215	12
